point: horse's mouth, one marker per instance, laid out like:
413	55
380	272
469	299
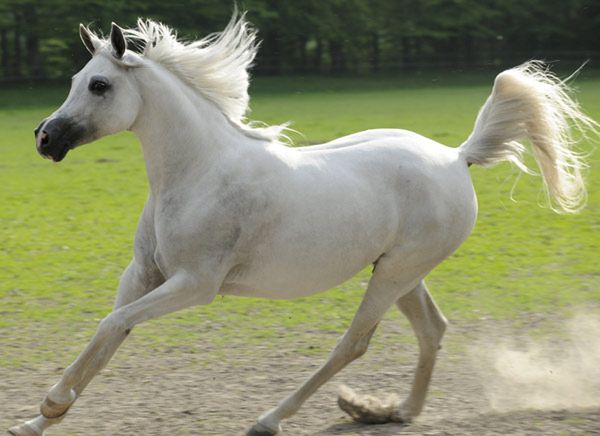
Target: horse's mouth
56	154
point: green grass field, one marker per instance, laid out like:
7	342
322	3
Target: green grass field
66	229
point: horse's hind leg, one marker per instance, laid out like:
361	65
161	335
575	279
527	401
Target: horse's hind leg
383	291
429	325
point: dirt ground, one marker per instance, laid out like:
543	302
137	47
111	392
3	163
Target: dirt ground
173	391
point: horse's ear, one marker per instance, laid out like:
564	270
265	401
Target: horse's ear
87	39
118	41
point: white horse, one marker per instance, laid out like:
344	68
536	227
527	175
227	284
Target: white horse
234	211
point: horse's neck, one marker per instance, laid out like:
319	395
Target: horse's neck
181	133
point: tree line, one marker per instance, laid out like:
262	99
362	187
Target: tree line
38	39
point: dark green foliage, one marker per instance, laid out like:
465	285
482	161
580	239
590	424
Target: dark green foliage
38	40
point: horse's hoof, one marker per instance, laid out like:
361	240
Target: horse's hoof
260	430
24	430
52	410
367	409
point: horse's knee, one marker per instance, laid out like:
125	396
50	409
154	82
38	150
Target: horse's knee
354	346
361	347
112	324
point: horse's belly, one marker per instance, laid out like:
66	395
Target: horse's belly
284	282
310	267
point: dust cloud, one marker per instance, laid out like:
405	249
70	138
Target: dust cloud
546	372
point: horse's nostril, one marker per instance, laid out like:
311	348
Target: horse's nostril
44	138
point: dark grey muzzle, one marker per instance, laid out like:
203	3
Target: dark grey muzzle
55	137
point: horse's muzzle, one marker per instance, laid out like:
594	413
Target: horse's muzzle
55	137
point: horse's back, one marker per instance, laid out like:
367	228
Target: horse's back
359	138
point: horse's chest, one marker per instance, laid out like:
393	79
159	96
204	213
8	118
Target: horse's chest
204	232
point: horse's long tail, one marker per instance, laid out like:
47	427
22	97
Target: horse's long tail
529	102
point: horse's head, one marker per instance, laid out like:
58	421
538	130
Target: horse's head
103	99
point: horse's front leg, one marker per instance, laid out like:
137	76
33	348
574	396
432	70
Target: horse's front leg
176	293
135	282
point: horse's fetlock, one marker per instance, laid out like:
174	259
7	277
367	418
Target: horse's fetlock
267	424
58	394
406	412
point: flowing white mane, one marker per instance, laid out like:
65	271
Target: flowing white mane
216	66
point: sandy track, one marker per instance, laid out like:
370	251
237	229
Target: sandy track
178	392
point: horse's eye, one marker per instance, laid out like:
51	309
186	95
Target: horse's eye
98	85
